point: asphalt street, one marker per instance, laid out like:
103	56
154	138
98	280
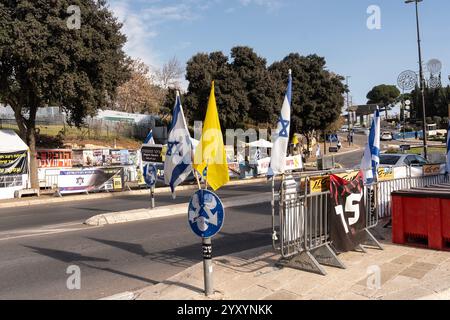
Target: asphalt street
71	212
39	243
120	258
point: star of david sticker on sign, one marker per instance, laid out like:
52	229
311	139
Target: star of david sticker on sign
206	214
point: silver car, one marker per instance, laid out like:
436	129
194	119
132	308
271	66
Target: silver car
392	159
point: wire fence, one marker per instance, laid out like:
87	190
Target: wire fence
91	129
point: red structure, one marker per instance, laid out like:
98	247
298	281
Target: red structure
422	216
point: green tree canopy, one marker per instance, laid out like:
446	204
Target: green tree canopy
383	95
437	101
42	60
250	93
317	93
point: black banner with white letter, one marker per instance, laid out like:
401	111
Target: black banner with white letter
347	214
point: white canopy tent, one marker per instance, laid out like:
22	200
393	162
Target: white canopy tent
261	143
10	144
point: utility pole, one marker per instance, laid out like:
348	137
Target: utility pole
422	79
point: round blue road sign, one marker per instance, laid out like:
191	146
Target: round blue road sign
206	214
150	174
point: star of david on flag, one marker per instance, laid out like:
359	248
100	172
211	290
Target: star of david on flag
281	138
178	162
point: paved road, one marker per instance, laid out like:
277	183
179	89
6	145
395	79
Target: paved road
116	258
70	213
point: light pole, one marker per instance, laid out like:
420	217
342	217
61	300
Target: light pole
348	101
422	84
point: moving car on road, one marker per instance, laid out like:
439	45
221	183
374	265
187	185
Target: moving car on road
386	136
392	159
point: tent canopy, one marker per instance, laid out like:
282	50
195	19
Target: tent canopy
261	143
10	142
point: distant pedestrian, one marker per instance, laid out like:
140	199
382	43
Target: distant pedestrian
339	145
416	135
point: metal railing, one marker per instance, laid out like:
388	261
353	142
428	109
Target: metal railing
385	189
303	233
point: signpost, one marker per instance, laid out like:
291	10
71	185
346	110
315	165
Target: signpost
152	153
150	177
206	216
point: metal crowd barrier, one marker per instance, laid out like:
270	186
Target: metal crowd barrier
303	233
385	188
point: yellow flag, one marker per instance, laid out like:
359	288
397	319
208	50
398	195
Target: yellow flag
210	152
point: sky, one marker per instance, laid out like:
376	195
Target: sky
158	30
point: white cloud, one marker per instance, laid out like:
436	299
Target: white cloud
143	18
269	4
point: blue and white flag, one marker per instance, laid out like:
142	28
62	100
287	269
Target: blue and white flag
178	162
371	158
258	154
448	148
281	138
149	140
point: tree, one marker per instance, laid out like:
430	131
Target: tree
140	94
383	95
43	60
170	74
317	97
231	95
436	101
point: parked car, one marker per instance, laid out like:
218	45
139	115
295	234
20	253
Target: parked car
392	159
386	136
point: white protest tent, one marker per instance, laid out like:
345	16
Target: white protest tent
261	143
11	143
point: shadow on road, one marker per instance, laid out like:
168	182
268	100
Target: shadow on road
184	256
64	256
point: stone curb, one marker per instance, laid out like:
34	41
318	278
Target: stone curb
96	196
168	211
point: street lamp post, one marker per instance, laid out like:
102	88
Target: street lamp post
422	81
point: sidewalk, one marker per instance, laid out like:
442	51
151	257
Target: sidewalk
406	273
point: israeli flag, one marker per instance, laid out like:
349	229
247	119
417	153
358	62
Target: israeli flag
281	139
371	158
149	140
448	148
258	154
178	162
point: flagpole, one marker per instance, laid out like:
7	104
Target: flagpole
198	180
207	256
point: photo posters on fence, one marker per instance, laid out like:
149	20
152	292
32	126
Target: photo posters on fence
347	214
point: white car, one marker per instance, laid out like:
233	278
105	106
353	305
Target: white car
392	159
386	136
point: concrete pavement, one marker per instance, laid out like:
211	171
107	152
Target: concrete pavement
405	273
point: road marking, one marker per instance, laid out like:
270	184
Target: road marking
45	230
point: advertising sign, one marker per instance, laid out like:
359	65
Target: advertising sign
152	154
292	163
54	158
78	181
322	184
13	163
